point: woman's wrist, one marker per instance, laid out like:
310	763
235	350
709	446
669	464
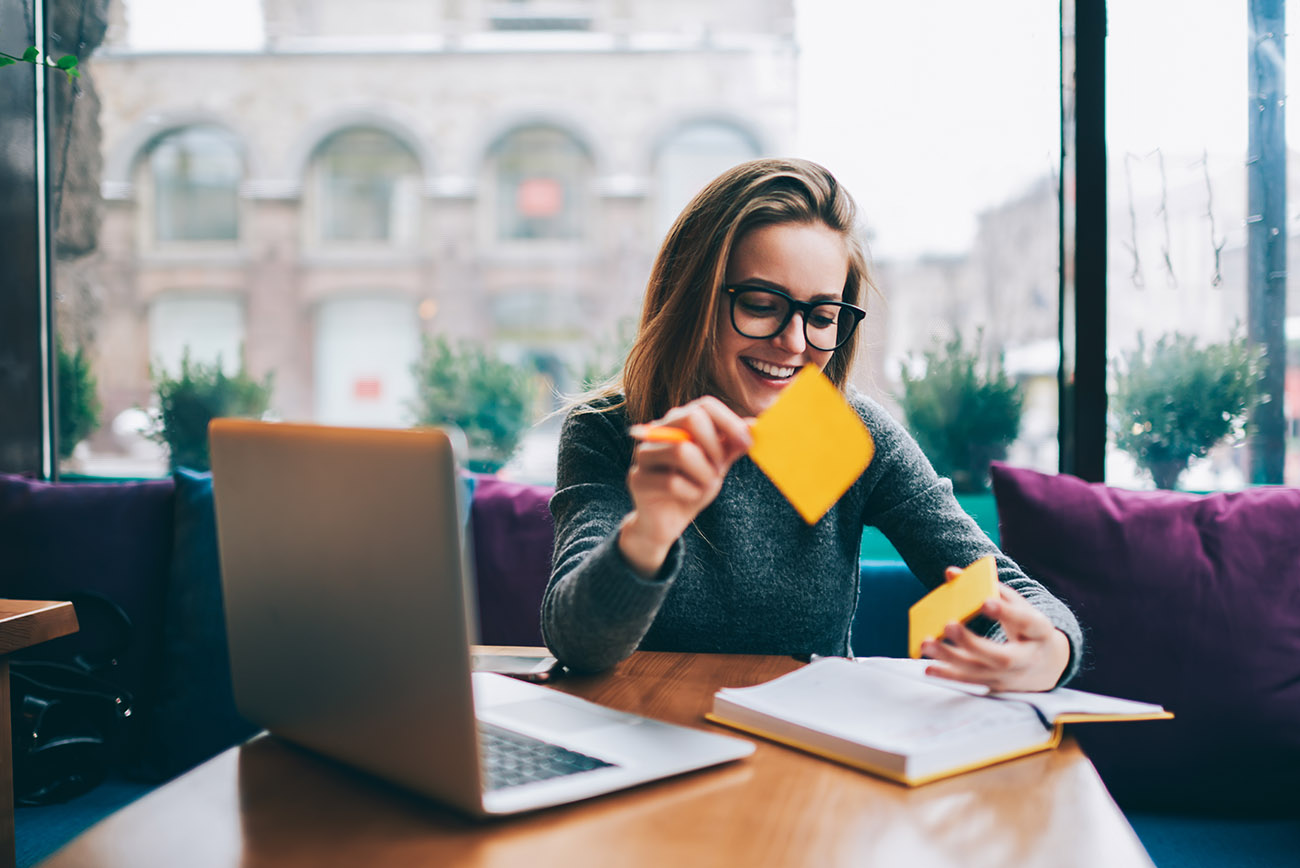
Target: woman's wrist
644	553
1059	645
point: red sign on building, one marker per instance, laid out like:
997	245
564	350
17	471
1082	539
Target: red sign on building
367	388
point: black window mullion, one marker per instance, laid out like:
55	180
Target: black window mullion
1082	376
24	446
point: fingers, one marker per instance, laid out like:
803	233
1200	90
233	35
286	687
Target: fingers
685	459
962	647
952	573
964	656
1018	617
672	479
1026	664
713	427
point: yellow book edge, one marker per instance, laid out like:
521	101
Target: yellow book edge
1052	742
1070	717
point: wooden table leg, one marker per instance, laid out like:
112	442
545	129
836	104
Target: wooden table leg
6	772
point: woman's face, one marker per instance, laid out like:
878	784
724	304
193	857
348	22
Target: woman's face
808	262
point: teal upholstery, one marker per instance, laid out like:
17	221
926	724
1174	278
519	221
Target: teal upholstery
886	590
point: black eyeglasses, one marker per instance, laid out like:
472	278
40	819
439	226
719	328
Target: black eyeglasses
759	312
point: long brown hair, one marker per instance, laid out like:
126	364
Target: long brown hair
671	359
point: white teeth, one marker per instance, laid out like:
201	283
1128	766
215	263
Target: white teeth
777	371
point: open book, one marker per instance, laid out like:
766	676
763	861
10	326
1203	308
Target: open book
886	716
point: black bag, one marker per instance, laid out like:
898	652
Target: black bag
67	717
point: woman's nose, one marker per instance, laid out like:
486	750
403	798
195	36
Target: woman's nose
792	338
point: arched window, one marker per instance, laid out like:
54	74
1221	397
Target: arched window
689	159
366	188
195	174
542	177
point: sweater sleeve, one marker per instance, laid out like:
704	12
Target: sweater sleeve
596	609
916	510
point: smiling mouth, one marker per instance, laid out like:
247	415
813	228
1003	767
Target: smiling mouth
769	371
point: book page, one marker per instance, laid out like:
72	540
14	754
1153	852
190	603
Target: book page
881	708
1063	700
1051	703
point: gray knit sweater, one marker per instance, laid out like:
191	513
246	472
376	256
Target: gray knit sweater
749	576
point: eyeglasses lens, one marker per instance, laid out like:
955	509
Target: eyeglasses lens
761	314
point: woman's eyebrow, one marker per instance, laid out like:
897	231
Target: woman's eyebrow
764	283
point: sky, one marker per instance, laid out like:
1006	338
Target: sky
930	112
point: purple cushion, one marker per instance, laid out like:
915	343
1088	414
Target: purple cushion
1189	601
513	538
111	539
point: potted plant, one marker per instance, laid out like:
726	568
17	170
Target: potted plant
963	413
1181	399
486	398
200	393
79	406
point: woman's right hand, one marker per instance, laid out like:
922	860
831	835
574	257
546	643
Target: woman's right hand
671	483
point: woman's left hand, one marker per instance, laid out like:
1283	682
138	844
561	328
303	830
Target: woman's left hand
1031	659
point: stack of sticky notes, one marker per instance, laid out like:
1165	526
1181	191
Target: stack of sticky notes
956	601
811	444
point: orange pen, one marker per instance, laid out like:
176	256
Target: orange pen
658	434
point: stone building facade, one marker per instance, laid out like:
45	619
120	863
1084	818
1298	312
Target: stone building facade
374	173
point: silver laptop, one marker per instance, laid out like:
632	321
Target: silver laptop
347	593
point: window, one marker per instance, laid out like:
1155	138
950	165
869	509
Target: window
953	160
366	186
364	351
542	177
1196	208
195	175
540	15
689	159
208	328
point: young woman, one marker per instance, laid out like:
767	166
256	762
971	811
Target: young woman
687	546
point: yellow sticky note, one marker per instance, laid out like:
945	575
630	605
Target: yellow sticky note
811	444
958	600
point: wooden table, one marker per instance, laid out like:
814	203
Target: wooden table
22	623
267	803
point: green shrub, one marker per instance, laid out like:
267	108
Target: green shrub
201	393
963	417
1180	400
79	406
465	386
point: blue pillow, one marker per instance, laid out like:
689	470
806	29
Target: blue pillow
196	714
886	590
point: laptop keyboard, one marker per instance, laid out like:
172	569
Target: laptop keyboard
511	759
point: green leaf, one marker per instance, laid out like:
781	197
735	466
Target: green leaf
7	61
31	54
72	73
67	61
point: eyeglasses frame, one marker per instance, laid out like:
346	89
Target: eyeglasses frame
802	307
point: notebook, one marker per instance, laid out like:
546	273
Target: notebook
348	596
